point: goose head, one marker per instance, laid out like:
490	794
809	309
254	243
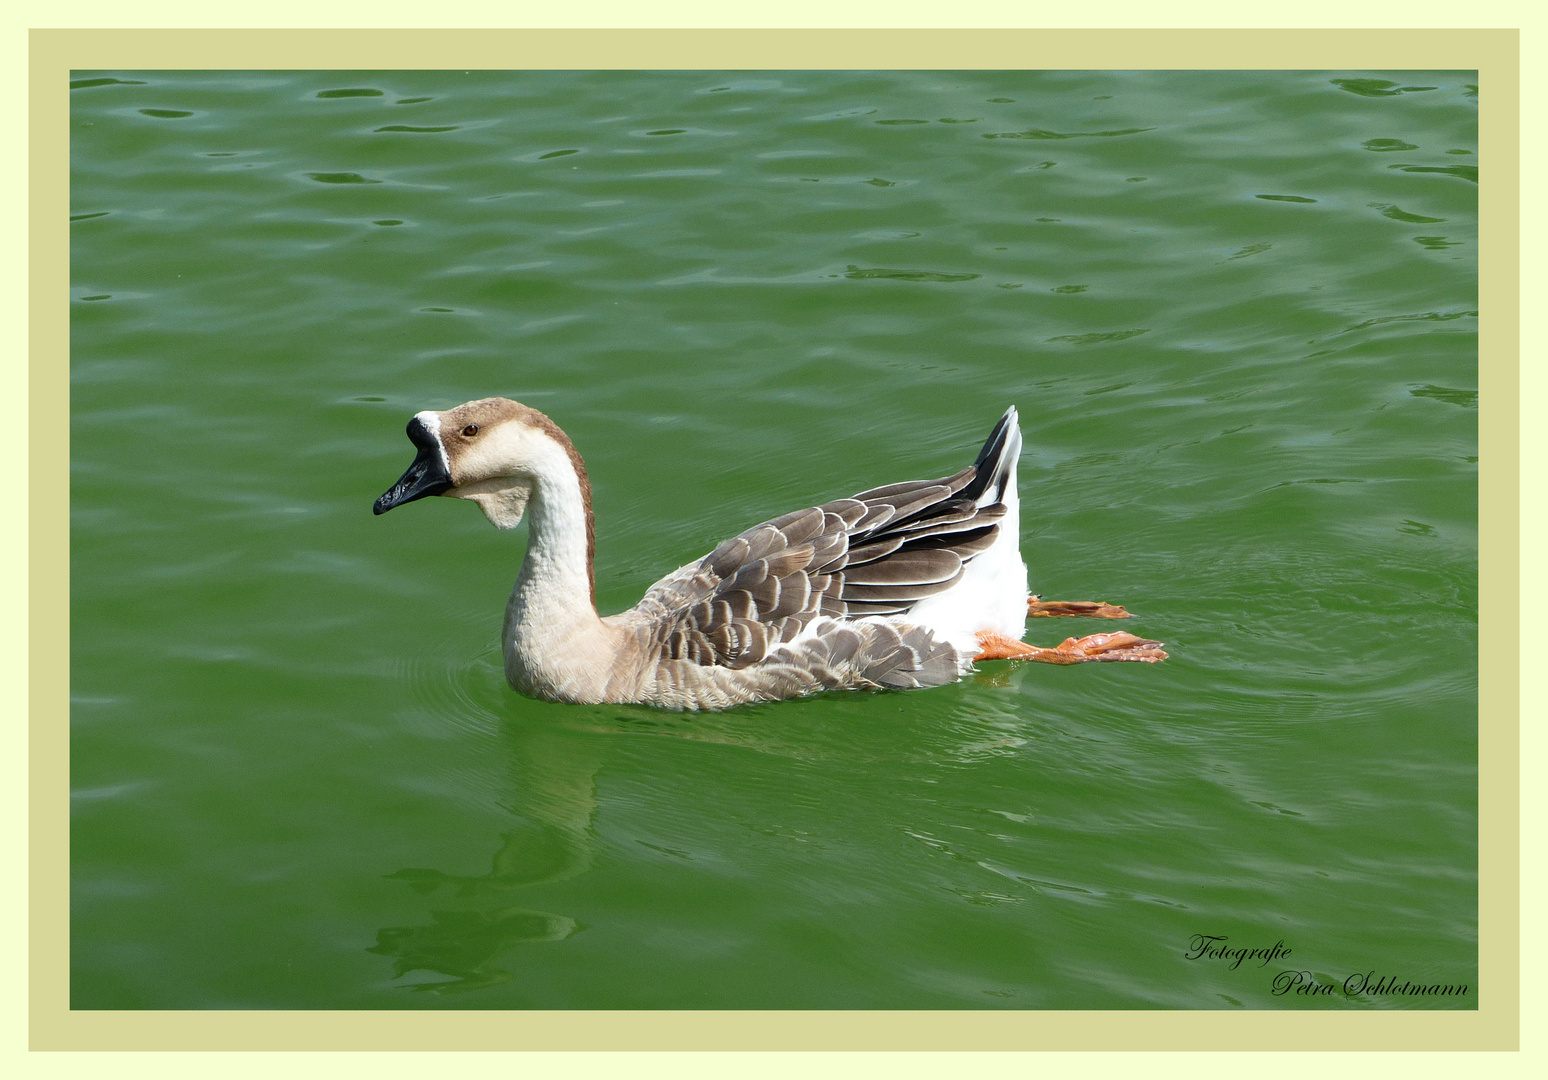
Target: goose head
494	452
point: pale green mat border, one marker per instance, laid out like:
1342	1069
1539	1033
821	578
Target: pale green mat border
1493	53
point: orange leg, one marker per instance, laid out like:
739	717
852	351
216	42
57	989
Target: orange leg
1038	608
1117	646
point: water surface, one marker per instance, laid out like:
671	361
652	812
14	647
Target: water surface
1237	312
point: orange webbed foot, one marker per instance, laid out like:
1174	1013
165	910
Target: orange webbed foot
1038	608
1116	646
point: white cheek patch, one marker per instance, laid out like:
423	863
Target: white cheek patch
432	423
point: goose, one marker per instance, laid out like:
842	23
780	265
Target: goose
897	587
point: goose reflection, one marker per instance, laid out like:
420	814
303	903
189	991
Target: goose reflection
477	924
478	919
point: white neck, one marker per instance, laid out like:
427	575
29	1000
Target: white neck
555	582
552	631
551	618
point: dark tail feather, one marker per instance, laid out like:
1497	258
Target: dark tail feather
994	461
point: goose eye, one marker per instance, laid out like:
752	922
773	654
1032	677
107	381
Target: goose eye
470	431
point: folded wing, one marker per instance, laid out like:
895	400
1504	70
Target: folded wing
877	553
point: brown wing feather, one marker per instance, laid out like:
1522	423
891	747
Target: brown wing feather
877	553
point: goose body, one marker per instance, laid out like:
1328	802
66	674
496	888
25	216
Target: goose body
896	587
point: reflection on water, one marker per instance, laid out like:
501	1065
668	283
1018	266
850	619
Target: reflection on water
466	944
479	917
475	921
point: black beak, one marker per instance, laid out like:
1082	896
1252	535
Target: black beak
427	476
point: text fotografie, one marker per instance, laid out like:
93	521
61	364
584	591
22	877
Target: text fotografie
1214	947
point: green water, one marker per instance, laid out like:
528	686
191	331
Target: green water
1237	312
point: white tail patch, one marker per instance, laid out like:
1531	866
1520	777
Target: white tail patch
992	595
